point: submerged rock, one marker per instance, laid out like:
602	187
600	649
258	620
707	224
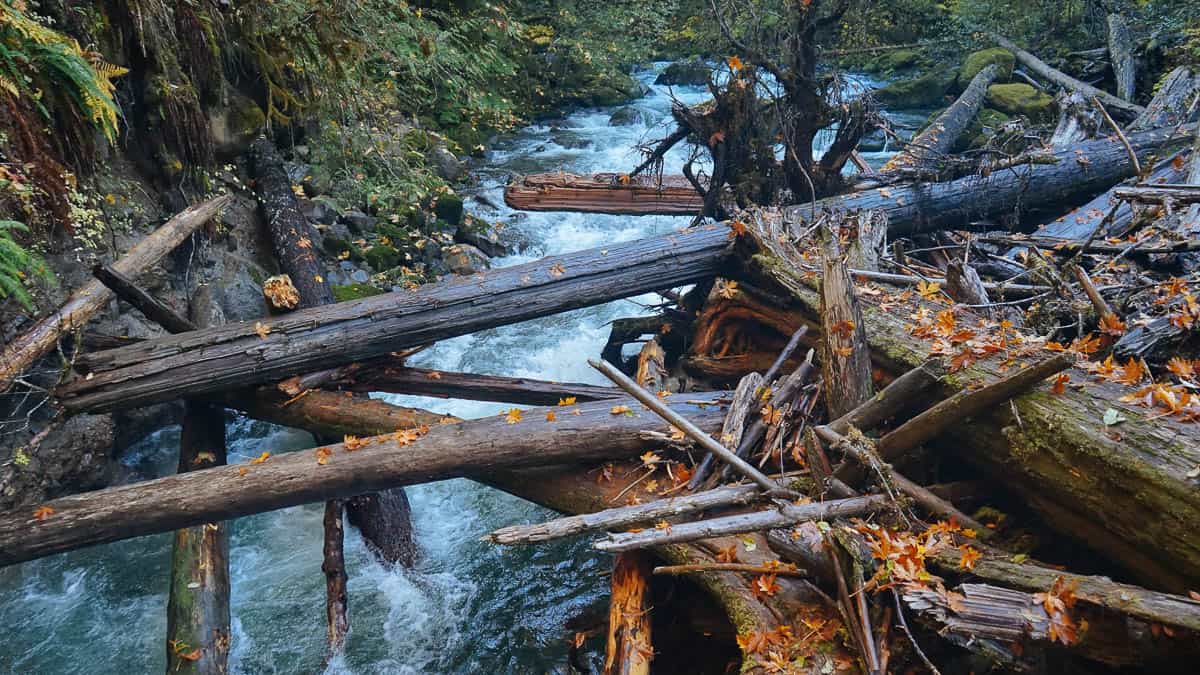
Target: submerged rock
625	116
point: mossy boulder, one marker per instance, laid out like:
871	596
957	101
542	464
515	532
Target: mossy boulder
983	58
625	116
926	91
693	72
449	207
894	61
982	128
1021	99
612	88
383	258
234	126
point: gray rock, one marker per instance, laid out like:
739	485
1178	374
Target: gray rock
625	116
465	259
571	141
75	457
484	239
359	222
323	213
448	166
297	172
134	424
691	72
360	276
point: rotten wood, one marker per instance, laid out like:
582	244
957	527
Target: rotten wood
85	302
845	359
629	649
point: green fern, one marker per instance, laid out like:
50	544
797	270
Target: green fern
18	265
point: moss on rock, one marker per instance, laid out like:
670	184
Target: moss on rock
926	91
983	58
354	292
1021	99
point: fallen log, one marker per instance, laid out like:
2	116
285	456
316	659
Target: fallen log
1160	194
1042	69
348	469
1124	492
85	302
1120	53
381	376
605	193
1078	120
198	635
241	354
938	138
151	307
376	516
1173	103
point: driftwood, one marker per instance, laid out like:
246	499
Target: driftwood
939	137
241	354
629	650
198	635
377	463
605	193
1126	495
1120	53
93	296
1042	69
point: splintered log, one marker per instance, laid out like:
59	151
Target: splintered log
241	354
629	648
845	359
376	463
292	236
198	635
1042	69
1078	120
85	302
1067	175
1120	53
939	137
1126	493
605	193
400	379
333	565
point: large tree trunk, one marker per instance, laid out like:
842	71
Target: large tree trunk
242	354
1120	53
936	140
605	193
198	596
1118	106
1127	495
336	471
85	302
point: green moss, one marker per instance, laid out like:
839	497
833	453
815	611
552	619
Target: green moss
383	258
354	292
900	59
983	58
449	207
926	91
337	247
1021	99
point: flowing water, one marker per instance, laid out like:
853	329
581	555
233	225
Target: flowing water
467	607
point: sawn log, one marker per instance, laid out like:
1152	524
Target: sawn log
605	193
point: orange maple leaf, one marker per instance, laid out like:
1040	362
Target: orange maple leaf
513	415
43	512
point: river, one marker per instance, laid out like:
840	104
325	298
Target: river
467	606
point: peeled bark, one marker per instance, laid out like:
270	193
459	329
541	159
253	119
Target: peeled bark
605	193
378	463
845	359
242	354
629	648
85	302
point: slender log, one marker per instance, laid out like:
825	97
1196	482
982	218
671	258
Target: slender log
679	422
85	302
1160	194
1007	289
900	394
150	307
1126	493
384	376
1072	246
377	463
605	193
627	516
1065	81
747	402
845	359
783	516
629	649
198	594
939	137
1189	225
966	404
781	570
292	236
319	412
333	564
241	354
1098	302
1120	52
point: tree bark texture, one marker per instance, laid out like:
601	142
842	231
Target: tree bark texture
1120	53
605	193
629	649
939	137
242	354
93	296
377	463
